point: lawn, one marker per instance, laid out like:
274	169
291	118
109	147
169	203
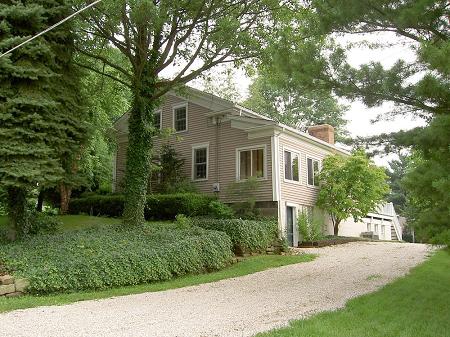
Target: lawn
416	305
74	222
247	266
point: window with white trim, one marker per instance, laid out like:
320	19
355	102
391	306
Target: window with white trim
291	166
157	119
313	170
376	228
369	227
251	163
200	162
383	229
180	118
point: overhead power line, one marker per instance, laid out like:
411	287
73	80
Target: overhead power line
50	28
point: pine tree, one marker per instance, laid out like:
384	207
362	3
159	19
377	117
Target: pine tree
39	115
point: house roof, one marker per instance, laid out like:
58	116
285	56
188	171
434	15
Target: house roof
234	111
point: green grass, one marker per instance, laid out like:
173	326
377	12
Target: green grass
74	222
417	305
247	266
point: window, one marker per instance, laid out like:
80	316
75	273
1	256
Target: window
376	228
180	118
369	227
383	229
157	120
313	170
200	154
291	166
251	163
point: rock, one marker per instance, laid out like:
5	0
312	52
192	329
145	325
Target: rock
22	285
6	279
14	294
7	289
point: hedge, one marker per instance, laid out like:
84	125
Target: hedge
247	235
111	256
158	206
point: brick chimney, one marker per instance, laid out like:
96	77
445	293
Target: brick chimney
324	132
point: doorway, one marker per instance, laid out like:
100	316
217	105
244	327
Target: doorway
290	217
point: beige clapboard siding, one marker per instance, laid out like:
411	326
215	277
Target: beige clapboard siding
299	193
201	130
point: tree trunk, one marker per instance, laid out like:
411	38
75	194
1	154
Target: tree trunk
65	191
137	171
40	201
336	227
17	212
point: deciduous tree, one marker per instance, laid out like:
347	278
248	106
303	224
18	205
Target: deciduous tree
350	187
187	37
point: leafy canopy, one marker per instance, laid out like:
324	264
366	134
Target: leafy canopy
350	187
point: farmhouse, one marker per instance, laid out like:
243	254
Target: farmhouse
224	143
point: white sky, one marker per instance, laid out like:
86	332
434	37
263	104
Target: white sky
359	116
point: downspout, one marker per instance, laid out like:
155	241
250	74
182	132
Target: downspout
218	124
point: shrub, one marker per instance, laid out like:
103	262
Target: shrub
167	206
112	256
219	210
158	206
247	235
310	226
42	223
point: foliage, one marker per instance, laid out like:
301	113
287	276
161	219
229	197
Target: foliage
194	36
396	173
247	235
277	96
243	195
425	314
246	266
41	111
168	169
158	206
418	87
222	84
41	223
219	210
310	226
350	187
112	256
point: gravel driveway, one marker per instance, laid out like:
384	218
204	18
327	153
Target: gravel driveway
236	307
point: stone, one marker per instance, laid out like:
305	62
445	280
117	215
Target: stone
6	279
22	284
14	294
7	289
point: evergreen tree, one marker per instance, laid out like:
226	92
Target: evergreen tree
40	127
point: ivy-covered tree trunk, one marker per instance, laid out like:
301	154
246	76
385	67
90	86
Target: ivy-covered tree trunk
140	143
17	212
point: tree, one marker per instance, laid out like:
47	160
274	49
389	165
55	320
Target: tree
274	95
350	187
40	120
420	87
396	173
190	37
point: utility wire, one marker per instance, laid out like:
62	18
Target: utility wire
50	28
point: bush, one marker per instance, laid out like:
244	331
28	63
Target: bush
42	223
310	227
158	206
247	235
219	210
112	256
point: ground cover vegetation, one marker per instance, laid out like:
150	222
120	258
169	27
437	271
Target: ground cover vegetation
110	256
245	266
